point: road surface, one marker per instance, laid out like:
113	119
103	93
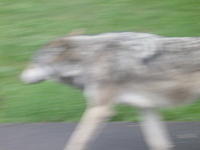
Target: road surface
115	136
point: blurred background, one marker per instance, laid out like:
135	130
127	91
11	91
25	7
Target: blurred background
25	25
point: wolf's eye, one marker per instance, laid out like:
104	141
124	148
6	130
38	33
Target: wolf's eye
74	60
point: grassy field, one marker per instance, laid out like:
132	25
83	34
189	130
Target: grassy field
27	24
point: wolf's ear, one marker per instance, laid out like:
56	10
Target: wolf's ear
76	32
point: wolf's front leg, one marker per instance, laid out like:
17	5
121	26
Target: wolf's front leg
88	127
154	131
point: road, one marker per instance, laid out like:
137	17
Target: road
115	136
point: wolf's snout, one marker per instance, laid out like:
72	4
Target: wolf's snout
34	75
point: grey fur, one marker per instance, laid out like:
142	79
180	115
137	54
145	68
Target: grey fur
140	69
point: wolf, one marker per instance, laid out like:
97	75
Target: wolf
143	70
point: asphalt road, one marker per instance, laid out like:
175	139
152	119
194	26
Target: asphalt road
115	136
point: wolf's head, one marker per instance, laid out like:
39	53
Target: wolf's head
60	58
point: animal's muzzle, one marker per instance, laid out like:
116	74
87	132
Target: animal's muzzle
34	75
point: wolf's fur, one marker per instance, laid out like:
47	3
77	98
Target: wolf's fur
144	70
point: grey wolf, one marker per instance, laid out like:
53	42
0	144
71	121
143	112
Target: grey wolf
143	70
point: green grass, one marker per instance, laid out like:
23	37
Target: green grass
27	24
